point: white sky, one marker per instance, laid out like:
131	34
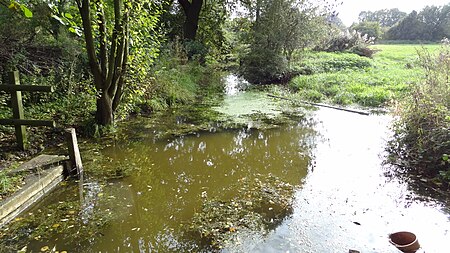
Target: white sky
350	9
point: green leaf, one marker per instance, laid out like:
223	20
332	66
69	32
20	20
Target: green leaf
26	11
445	157
14	6
68	15
58	19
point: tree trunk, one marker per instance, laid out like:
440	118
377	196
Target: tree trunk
108	69
192	13
104	115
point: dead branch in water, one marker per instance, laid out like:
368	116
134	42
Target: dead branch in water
321	105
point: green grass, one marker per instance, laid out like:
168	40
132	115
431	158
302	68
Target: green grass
345	78
9	183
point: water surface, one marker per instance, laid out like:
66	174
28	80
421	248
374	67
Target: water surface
154	184
347	202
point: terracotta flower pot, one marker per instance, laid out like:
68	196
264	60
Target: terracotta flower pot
405	241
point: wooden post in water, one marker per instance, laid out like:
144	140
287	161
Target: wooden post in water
76	166
17	108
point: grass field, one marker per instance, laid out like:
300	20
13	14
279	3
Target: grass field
344	78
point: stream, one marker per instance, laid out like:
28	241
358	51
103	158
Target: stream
343	200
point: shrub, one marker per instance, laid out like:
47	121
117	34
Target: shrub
350	42
422	132
196	50
263	66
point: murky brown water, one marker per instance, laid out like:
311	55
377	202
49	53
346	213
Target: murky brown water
343	200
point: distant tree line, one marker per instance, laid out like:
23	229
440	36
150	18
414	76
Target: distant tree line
430	24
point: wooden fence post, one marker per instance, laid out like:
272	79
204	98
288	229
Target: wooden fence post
14	87
17	108
74	153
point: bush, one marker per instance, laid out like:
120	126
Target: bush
264	66
370	29
196	50
170	84
422	132
352	42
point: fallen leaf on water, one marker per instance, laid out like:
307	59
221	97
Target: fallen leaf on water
45	248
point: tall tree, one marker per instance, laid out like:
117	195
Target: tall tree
280	27
107	28
431	24
369	29
410	28
191	11
437	21
108	59
386	17
286	25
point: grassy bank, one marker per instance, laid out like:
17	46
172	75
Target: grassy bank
412	79
345	79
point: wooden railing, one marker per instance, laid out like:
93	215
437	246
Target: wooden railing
18	120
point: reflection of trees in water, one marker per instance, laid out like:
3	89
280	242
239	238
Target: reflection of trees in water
151	185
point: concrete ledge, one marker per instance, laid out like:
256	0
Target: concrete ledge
37	184
40	163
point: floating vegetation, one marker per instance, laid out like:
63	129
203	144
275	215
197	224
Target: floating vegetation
260	204
71	222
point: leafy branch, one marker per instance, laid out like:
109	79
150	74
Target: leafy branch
17	7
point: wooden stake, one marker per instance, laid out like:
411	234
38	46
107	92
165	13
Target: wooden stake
17	107
76	167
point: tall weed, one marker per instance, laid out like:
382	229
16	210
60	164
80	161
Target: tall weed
422	130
